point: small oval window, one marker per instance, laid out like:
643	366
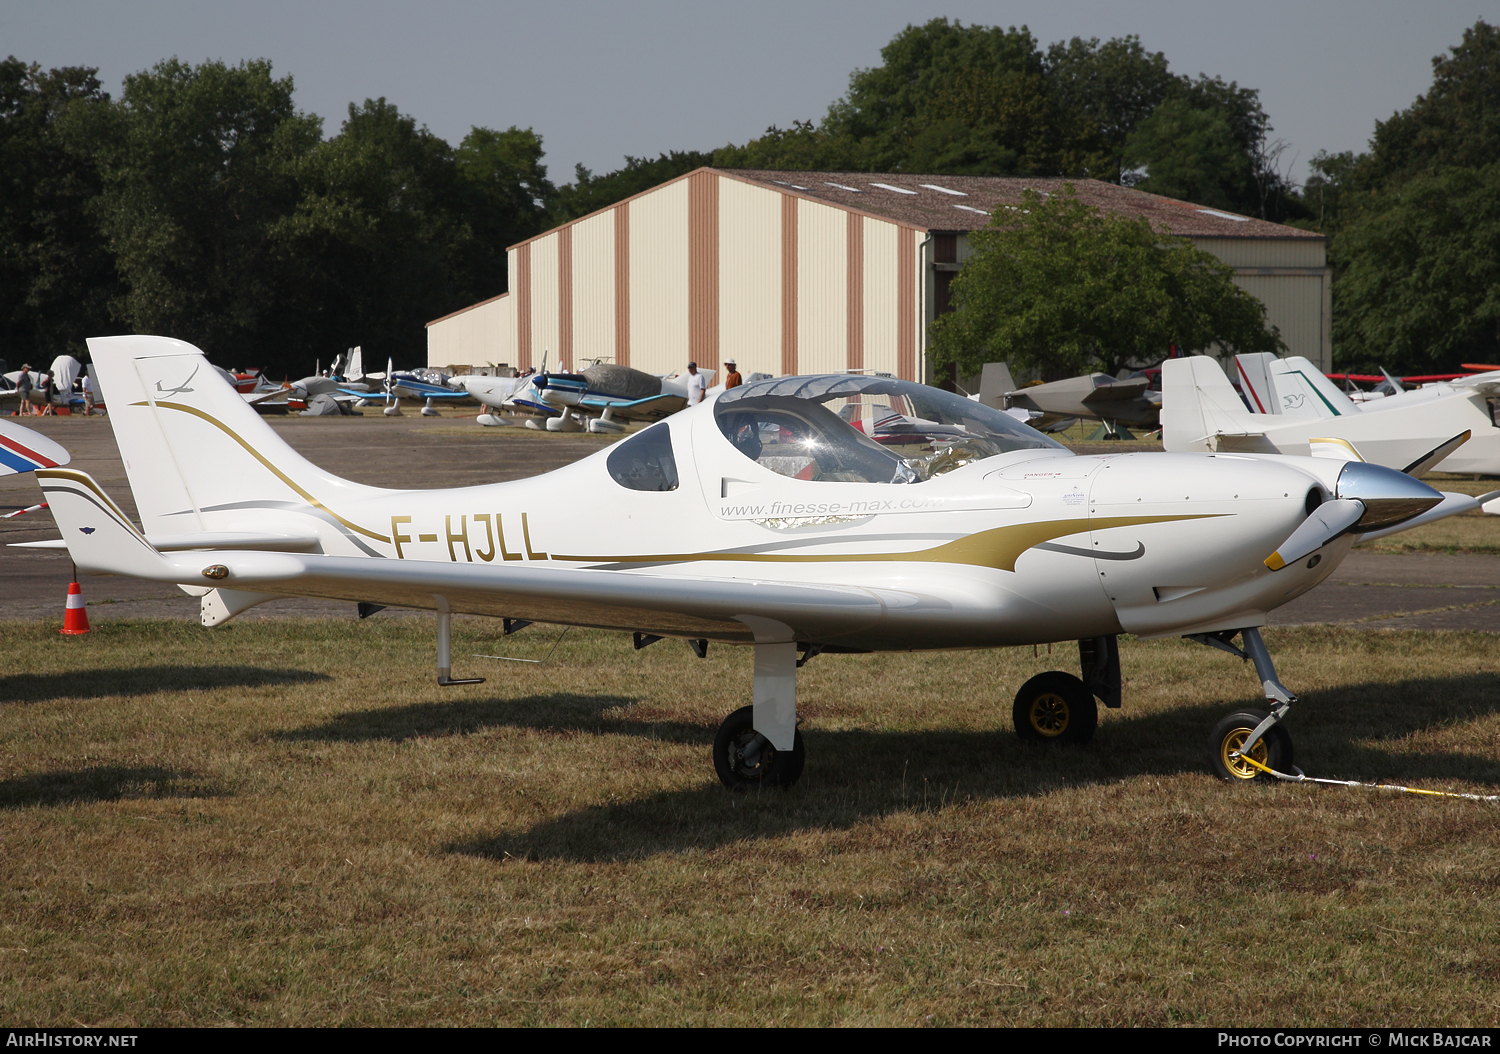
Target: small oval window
645	461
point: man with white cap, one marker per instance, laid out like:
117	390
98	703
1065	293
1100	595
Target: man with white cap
732	379
695	384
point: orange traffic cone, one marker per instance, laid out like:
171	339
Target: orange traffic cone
76	617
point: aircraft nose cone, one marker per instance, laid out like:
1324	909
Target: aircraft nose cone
1389	497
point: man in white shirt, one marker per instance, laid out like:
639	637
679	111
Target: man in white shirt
695	384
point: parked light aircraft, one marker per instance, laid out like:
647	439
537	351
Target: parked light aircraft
1094	395
603	398
1202	411
757	518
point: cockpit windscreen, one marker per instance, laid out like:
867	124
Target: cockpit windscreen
847	428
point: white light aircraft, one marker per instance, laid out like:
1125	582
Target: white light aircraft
758	518
1300	411
604	398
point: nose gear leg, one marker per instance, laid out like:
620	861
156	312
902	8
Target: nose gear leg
1277	694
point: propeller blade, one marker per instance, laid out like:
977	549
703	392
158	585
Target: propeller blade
1333	448
1427	462
1326	523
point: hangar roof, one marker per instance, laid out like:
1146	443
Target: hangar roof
965	203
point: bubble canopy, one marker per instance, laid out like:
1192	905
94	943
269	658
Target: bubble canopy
856	429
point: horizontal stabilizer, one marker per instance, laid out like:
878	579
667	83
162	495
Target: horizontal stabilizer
172	543
100	538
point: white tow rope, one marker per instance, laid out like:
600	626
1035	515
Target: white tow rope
1300	778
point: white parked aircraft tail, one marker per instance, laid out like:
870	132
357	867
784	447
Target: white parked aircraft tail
1200	410
1257	381
995	384
198	457
1304	390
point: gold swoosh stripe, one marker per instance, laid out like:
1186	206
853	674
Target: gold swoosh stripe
314	502
999	548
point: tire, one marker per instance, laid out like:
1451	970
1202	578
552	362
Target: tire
1274	748
1055	707
768	766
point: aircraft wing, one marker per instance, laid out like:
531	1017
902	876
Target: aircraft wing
1489	383
408	390
103	541
1120	391
651	408
23	450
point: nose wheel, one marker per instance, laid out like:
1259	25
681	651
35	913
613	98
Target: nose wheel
1226	743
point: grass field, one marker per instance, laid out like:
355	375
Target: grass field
289	823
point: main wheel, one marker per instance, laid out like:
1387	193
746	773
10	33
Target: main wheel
1274	749
1055	707
745	759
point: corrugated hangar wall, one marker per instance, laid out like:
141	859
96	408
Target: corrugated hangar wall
706	268
711	267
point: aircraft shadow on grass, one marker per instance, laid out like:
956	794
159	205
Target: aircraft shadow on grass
143	680
101	783
561	711
1355	732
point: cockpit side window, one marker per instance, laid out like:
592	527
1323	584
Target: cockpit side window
645	461
805	440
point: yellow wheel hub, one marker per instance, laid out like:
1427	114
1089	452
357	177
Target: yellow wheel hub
1237	766
1049	715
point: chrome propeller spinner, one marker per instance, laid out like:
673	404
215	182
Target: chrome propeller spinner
1366	498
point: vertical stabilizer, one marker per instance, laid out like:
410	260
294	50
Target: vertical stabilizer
1257	381
199	458
1304	391
1198	405
994	384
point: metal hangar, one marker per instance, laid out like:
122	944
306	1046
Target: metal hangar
813	272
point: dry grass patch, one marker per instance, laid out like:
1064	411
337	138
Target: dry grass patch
290	823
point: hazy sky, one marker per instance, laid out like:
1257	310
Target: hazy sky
602	80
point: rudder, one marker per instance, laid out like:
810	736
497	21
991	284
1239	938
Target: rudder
195	452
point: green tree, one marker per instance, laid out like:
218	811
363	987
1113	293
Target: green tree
56	275
1418	280
508	199
804	147
957	99
1113	86
1191	154
1456	123
590	193
378	238
1058	286
198	165
1327	184
1415	223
